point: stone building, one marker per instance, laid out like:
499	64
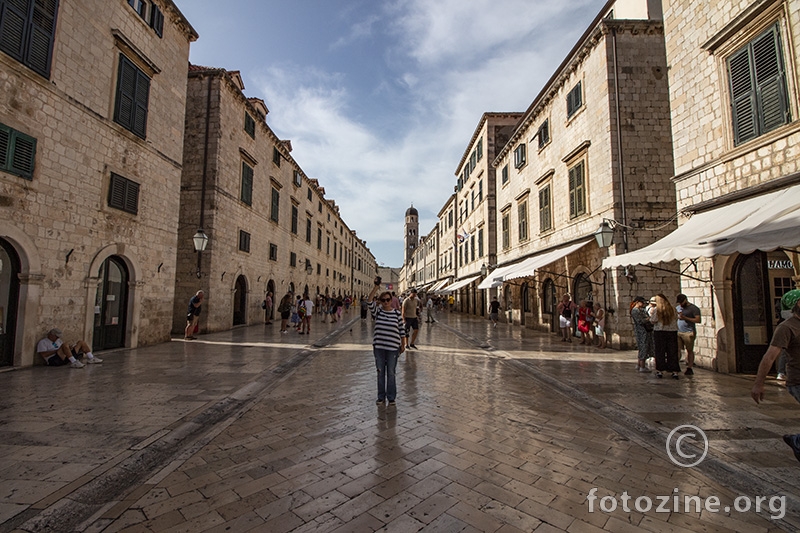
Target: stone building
445	264
269	226
475	208
92	101
734	103
594	146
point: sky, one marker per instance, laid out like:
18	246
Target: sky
381	97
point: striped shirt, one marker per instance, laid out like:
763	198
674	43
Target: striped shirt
389	328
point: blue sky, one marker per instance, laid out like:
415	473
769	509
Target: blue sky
381	97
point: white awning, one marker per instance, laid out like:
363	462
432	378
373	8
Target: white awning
439	285
495	277
458	284
765	223
530	265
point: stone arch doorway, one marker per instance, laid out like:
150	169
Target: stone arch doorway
111	305
582	289
526	303
269	313
9	301
549	304
240	301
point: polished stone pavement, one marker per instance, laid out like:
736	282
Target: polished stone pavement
495	429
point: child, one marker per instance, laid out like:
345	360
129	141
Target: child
599	325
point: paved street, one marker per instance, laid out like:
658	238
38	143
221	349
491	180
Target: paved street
494	430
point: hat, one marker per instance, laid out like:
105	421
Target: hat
790	299
653	300
56	332
640	299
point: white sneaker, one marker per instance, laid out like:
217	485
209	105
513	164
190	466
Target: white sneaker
94	361
77	364
781	376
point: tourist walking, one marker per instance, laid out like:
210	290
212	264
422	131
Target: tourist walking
665	335
565	310
688	318
600	325
494	311
285	309
643	329
268	308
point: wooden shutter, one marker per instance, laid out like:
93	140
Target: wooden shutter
156	20
23	155
123	194
133	92
770	80
141	97
13	26
743	100
247	184
5	145
577	191
276	196
42	33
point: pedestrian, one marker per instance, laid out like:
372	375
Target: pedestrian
643	329
688	318
429	311
388	342
494	311
786	337
600	325
665	335
296	311
267	304
565	309
56	352
364	307
411	317
584	322
308	311
285	309
395	301
193	316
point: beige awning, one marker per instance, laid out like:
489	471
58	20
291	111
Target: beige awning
765	223
458	284
495	277
439	285
530	265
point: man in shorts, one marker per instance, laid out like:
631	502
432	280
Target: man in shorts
786	337
411	317
56	352
688	318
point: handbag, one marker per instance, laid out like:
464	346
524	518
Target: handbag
583	326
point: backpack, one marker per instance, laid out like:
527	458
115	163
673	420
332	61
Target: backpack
566	312
301	310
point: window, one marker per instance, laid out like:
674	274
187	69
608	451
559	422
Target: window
545	218
140	6
276	202
758	87
298	178
133	92
294	219
473	160
334	250
450	218
273	252
480	191
17	152
480	148
504	175
574	100
506	239
319	207
577	190
244	241
522	215
319	239
480	242
276	156
292	259
519	156
472	248
308	230
249	125
246	195
123	194
310	197
157	20
27	32
328	247
543	134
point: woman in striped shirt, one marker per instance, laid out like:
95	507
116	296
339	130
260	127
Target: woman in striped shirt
388	342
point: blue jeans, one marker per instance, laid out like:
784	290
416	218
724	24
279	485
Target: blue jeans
794	390
386	363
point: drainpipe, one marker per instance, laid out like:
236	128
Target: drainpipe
620	167
205	168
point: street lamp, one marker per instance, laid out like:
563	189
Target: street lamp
605	233
309	268
484	270
200	240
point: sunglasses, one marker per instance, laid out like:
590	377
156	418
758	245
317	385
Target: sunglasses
386	299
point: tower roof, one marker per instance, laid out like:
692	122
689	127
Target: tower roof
411	211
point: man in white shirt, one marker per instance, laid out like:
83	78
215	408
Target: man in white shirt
57	353
305	324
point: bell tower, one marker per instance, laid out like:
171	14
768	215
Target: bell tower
411	233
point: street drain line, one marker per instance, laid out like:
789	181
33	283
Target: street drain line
69	514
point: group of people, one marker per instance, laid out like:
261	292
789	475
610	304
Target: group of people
662	331
588	318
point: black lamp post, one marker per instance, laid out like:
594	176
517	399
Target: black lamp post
200	241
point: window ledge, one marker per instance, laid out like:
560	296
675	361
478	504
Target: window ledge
130	49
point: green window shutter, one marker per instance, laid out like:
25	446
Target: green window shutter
42	33
5	146
743	100
123	194
133	90
157	20
247	184
13	23
142	96
276	196
770	80
17	152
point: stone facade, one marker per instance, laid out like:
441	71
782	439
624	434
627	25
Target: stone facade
270	227
101	273
593	146
715	163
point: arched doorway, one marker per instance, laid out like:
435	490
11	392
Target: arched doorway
271	312
582	289
111	305
240	302
508	302
526	304
9	297
760	280
549	304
